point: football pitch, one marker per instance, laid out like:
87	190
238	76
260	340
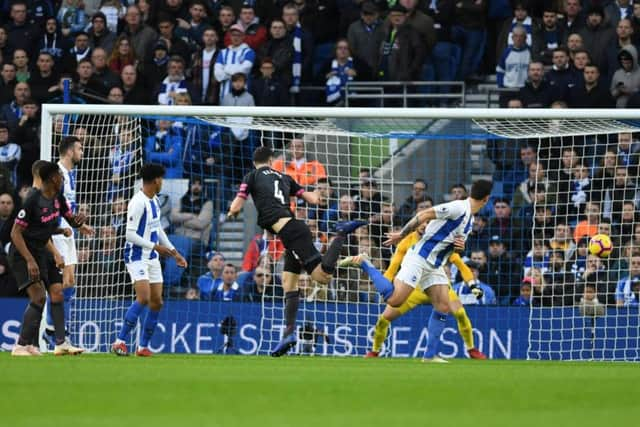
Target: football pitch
171	390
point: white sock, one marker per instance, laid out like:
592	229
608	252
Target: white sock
119	341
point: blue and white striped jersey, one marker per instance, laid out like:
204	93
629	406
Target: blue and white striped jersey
143	219
452	219
69	192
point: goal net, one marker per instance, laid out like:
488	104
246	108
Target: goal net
550	170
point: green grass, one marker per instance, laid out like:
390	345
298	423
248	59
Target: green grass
370	153
102	390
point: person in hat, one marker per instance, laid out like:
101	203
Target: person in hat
365	34
238	57
597	35
626	79
502	271
255	33
99	33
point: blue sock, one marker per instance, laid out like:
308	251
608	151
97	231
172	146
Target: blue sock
381	283
68	294
49	318
435	327
130	319
149	326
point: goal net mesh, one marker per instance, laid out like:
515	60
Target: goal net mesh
367	169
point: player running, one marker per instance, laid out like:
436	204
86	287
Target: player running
30	258
271	191
448	226
418	297
145	241
71	152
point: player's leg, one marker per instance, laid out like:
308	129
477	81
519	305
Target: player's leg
67	248
439	294
151	321
139	272
30	321
417	297
290	274
464	325
323	273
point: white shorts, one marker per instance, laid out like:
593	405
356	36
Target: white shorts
416	272
145	270
67	248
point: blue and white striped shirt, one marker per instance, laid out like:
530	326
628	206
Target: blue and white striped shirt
143	218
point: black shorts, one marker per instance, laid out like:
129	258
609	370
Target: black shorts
54	275
296	238
20	271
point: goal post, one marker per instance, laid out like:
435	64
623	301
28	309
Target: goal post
445	147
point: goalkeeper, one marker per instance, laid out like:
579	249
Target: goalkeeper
418	297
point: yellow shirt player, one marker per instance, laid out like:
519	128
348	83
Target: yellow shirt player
419	297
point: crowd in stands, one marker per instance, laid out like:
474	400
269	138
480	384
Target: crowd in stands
559	54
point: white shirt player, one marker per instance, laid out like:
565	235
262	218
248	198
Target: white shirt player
144	229
453	219
69	192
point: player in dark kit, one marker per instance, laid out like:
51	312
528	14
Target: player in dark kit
29	258
271	191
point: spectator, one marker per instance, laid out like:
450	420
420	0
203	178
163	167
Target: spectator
100	35
122	160
624	189
542	292
27	136
205	85
561	76
590	94
193	217
596	274
142	37
261	284
122	55
53	41
165	147
279	48
10	152
626	79
536	177
628	288
402	51
229	290
71	17
303	170
479	236
508	228
624	33
418	194
588	226
560	279
4	46
469	33
346	211
237	58
336	72
114	11
174	83
266	244
209	281
561	240
536	92
199	22
324	188
467	297
226	18
502	271
7	82
422	23
597	35
617	10
7	204
80	50
458	192
369	200
580	59
573	19
627	220
538	257
628	153
11	113
574	43
365	34
302	43
522	19
101	71
21	61
580	188
524	299
134	93
269	90
86	82
175	45
115	95
43	78
589	304
21	34
579	261
255	32
382	222
635	22
548	36
156	67
445	55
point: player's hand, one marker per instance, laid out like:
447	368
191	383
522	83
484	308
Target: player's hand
180	260
67	232
392	238
164	251
458	244
231	215
33	269
87	230
475	289
79	218
57	258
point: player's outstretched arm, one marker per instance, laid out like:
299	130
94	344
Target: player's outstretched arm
236	206
421	217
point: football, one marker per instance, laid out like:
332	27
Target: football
600	245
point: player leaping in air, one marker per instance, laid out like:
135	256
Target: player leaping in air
448	226
418	297
271	191
146	241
